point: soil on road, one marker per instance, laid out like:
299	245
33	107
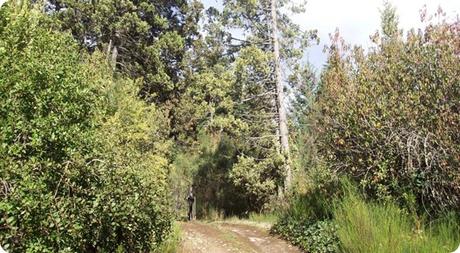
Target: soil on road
218	237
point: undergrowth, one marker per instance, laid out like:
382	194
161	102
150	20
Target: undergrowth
349	223
385	227
171	243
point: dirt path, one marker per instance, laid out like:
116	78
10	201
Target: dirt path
201	237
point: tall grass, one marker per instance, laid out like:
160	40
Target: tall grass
269	218
375	227
442	235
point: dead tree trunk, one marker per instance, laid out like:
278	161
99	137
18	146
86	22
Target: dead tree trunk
282	115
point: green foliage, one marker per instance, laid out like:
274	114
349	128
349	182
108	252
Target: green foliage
256	179
372	227
345	222
45	133
224	184
206	106
216	195
83	162
135	149
258	171
269	218
171	243
311	236
206	166
232	93
185	166
149	41
389	118
390	21
85	165
46	102
183	169
150	37
307	222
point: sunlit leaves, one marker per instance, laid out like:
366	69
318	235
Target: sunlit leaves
83	161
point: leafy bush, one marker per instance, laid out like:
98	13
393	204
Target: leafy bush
255	179
308	220
134	150
390	117
312	236
81	171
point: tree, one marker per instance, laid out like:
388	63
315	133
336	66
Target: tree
148	38
234	91
271	31
281	104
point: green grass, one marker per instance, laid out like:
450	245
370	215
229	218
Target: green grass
371	227
269	218
261	220
442	235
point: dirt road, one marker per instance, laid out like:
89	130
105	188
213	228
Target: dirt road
201	237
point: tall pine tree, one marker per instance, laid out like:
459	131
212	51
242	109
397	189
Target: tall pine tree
268	35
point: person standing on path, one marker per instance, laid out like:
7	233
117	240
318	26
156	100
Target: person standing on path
190	200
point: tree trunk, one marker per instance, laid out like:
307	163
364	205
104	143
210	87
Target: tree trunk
282	115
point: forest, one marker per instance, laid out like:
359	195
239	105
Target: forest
111	110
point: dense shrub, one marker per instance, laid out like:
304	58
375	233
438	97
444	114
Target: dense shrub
81	171
390	117
346	222
134	149
311	236
255	179
307	222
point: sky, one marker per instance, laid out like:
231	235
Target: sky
358	19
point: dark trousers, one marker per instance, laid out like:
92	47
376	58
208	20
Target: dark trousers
190	208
